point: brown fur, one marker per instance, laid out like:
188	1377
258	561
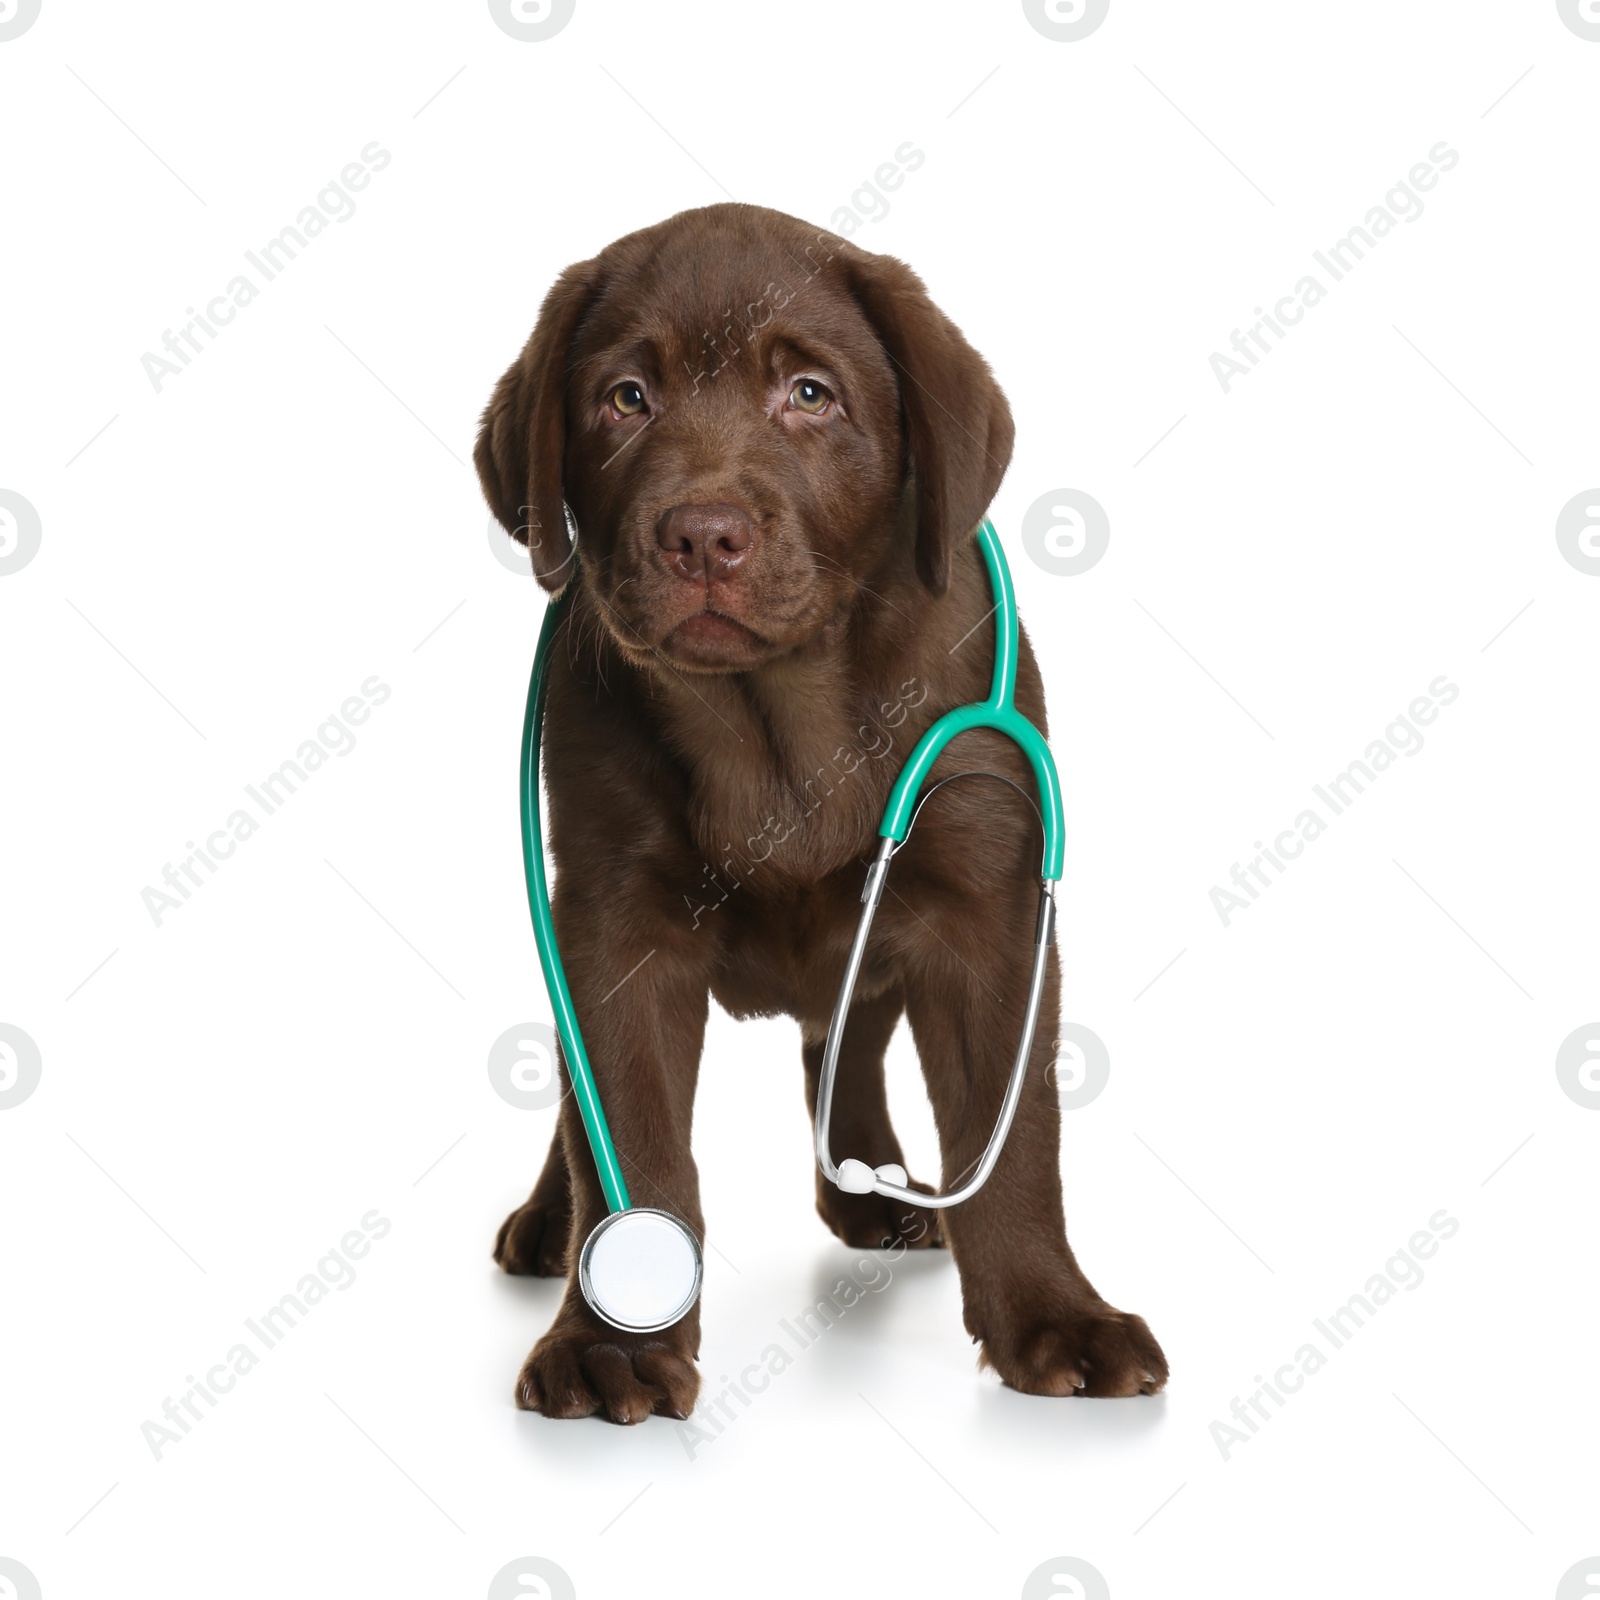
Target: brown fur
716	782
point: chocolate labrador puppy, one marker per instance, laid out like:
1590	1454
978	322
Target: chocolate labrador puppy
773	450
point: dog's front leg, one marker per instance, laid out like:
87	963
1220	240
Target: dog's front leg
1040	1322
639	983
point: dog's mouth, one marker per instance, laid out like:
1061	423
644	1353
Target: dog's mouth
706	639
713	641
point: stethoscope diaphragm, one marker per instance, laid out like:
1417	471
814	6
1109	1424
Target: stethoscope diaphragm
640	1269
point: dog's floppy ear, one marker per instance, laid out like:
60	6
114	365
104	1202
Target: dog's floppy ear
958	424
523	435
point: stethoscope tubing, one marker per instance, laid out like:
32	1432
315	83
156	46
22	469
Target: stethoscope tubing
584	1091
999	713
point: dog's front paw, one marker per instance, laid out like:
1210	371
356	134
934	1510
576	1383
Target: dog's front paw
1091	1350
582	1367
874	1222
532	1241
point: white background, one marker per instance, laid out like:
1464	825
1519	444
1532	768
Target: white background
306	1039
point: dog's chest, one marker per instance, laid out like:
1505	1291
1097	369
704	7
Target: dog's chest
801	797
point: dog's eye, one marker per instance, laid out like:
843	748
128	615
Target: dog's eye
809	395
628	399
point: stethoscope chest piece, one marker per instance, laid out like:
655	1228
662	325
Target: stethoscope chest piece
640	1270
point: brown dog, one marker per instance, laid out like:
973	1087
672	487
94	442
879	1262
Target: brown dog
774	450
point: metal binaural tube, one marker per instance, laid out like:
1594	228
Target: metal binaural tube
871	894
1044	937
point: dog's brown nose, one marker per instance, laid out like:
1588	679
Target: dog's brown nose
704	544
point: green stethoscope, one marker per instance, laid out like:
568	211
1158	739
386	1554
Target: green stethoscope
640	1268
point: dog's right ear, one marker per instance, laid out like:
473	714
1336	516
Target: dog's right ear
523	436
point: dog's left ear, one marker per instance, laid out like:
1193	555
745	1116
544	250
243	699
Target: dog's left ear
523	435
958	424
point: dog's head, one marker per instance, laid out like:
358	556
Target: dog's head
744	419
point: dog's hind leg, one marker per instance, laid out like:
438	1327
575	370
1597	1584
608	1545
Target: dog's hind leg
861	1128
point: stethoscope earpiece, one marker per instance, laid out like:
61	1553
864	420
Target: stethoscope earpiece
856	1177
